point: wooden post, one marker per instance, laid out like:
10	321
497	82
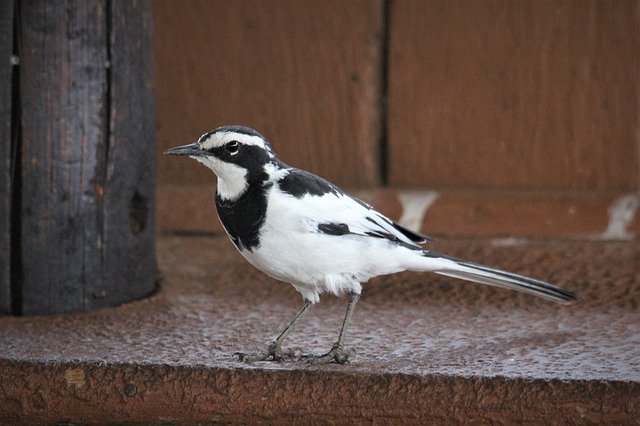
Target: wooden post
87	156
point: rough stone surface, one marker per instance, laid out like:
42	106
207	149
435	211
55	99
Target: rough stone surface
428	348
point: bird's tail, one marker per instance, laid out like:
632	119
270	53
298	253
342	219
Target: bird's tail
457	268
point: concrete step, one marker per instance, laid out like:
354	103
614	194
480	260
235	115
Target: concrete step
428	348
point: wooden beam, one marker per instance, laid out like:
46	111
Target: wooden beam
449	214
63	93
88	162
129	202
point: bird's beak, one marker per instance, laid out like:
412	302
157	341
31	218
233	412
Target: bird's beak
191	150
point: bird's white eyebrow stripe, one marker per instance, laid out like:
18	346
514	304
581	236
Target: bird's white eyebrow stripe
213	140
204	136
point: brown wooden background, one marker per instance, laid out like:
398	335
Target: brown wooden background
536	96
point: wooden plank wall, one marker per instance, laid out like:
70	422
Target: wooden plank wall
459	95
306	75
538	95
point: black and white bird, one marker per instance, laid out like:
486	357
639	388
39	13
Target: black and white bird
299	228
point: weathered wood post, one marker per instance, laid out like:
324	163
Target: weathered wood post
77	155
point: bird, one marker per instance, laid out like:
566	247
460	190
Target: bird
299	228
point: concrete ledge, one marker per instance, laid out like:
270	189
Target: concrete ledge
95	393
428	348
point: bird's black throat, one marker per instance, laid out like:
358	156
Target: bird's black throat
242	218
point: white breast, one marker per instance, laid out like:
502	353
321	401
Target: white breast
292	250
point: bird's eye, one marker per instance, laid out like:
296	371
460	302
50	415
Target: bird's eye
232	147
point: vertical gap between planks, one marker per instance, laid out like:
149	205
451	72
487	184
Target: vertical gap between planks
107	135
383	144
16	158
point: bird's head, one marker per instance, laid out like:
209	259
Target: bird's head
236	154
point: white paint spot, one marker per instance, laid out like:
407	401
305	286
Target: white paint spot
508	242
414	206
621	213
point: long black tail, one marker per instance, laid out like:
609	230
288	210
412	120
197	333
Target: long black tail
457	268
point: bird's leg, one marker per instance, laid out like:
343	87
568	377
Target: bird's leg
337	353
274	349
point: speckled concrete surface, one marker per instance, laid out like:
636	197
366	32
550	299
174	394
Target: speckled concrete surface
420	325
213	303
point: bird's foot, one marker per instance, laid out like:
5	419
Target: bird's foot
273	352
337	354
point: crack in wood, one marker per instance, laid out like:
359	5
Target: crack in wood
15	188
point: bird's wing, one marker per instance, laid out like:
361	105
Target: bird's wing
377	222
371	223
327	209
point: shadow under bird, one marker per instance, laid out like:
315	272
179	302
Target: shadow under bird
299	228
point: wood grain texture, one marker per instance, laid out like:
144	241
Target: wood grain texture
87	155
63	92
129	202
304	74
6	49
454	214
536	95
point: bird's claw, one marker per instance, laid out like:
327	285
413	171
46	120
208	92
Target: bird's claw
337	354
273	352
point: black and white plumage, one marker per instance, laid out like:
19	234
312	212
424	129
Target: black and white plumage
299	228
